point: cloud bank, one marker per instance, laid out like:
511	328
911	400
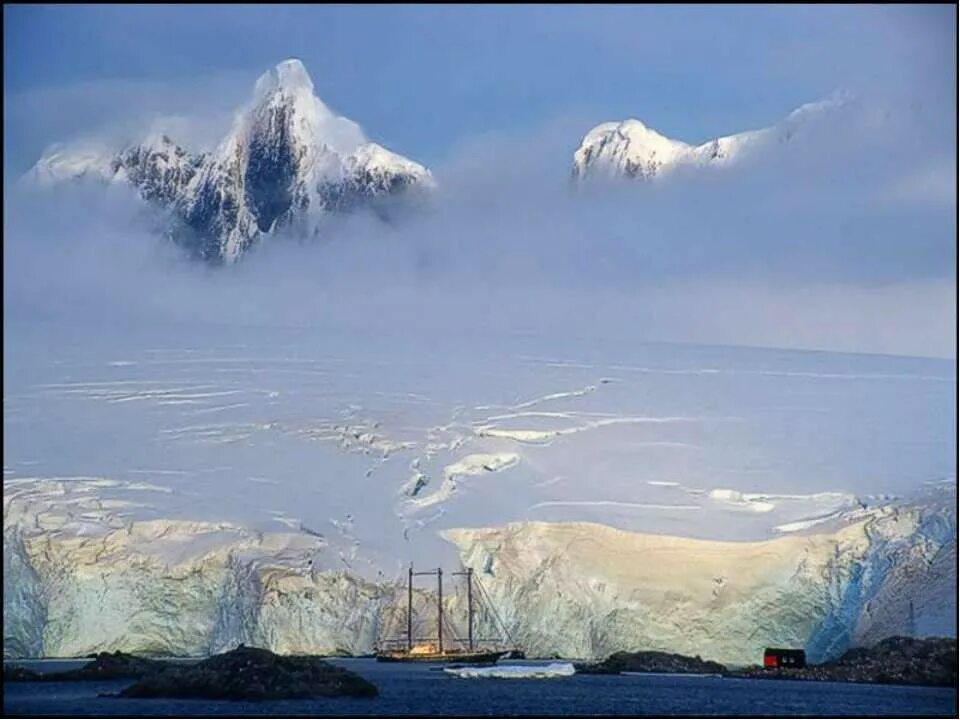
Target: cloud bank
844	241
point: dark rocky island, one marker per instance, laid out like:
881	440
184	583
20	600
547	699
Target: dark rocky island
895	661
241	674
102	666
252	674
651	662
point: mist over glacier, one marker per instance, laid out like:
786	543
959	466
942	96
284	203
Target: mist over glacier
511	272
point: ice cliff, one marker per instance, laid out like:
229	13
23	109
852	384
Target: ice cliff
80	577
585	590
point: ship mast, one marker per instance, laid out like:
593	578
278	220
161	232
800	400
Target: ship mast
440	610
469	575
410	608
473	594
470	608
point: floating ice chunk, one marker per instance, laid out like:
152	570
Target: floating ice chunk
514	671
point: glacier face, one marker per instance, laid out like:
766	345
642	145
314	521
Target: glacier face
80	578
584	590
287	162
632	149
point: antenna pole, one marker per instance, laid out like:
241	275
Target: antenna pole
470	608
410	608
440	610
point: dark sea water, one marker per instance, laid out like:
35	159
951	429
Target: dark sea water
416	690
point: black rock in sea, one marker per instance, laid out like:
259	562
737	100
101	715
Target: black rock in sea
102	666
15	673
652	662
252	674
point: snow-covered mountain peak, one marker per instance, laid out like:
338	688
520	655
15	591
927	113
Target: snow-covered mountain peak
372	156
632	149
628	147
290	76
287	162
284	101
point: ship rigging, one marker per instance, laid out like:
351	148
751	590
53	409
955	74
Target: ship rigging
447	646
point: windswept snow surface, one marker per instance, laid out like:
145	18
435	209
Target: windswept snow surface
177	490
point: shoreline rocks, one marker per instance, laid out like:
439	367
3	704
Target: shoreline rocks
893	661
242	674
102	666
252	674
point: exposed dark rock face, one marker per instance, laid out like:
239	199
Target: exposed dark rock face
652	662
160	171
365	188
271	170
896	660
252	674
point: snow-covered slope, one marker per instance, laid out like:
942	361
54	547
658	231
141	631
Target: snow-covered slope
287	161
631	149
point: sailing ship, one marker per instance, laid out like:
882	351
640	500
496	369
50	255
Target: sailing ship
447	647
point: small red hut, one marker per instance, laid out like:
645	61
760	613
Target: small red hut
784	658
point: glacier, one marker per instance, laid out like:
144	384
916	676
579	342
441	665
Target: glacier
584	590
80	578
177	494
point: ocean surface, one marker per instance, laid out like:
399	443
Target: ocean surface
425	691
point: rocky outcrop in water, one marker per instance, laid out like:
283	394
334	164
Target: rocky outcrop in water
650	662
894	661
103	666
252	674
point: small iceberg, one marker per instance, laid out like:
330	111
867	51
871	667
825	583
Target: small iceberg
514	671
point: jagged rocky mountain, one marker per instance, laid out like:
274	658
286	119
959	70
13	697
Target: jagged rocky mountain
632	149
286	164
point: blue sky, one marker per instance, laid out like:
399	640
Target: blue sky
423	79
